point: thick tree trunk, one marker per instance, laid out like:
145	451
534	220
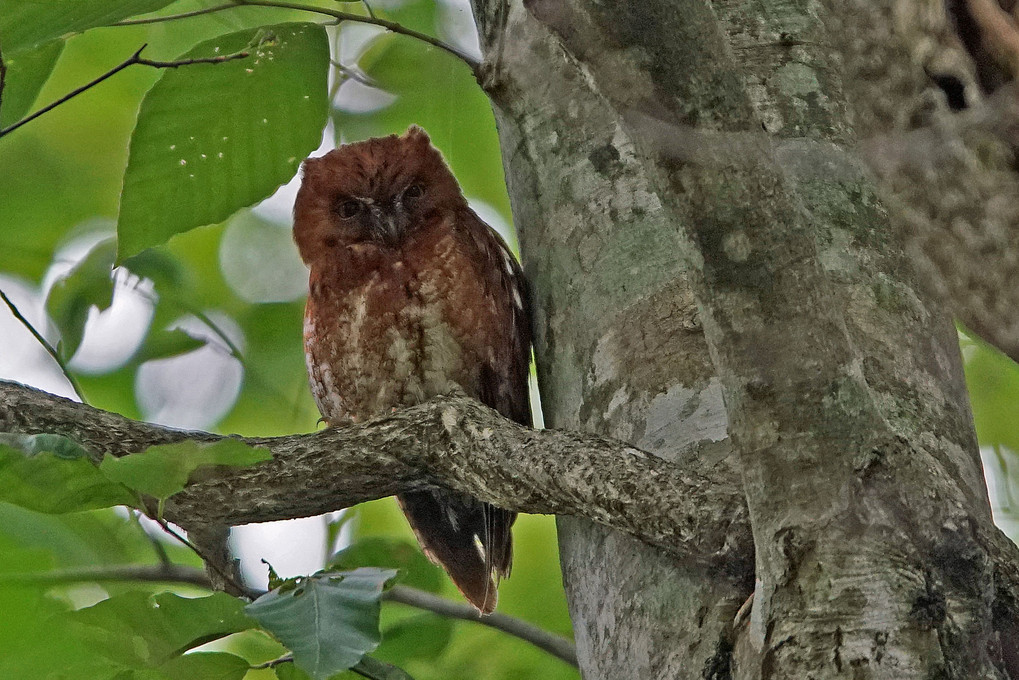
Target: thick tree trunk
663	150
619	345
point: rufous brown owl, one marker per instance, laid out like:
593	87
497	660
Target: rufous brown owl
411	296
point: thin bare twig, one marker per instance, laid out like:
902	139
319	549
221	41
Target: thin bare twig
286	658
353	73
157	546
145	573
135	58
555	645
174	17
391	26
45	344
368	667
235	588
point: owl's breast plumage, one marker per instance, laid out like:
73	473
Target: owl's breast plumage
397	335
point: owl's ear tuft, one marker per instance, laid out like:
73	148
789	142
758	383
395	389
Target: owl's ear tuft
308	164
418	135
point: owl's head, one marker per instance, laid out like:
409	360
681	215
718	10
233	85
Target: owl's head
376	191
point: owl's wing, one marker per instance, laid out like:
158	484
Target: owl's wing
471	539
504	382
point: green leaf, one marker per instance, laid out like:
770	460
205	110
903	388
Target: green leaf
55	481
27	23
205	666
162	344
163	470
274	578
164	270
395	553
993	382
141	630
379	670
290	671
27	72
88	284
213	138
424	636
33	444
329	621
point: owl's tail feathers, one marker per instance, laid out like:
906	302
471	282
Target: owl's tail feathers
470	539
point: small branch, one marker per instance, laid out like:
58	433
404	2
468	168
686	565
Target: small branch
368	667
340	16
353	73
157	546
553	644
223	580
390	26
286	658
156	573
175	17
234	350
45	344
135	58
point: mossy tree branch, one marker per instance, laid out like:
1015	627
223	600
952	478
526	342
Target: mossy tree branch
453	441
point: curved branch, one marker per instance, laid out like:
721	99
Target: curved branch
174	17
553	644
390	26
50	349
452	441
339	15
135	58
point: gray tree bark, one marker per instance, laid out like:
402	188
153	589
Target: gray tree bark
662	152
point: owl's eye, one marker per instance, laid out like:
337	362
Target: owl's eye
349	209
414	191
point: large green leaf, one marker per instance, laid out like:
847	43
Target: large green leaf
163	470
55	482
27	72
144	631
89	284
329	620
27	23
213	138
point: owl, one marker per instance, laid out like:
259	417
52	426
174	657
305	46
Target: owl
412	295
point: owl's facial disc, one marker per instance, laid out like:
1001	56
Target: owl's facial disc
387	223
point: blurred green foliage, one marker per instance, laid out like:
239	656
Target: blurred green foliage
231	290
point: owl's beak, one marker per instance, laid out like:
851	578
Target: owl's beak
388	225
